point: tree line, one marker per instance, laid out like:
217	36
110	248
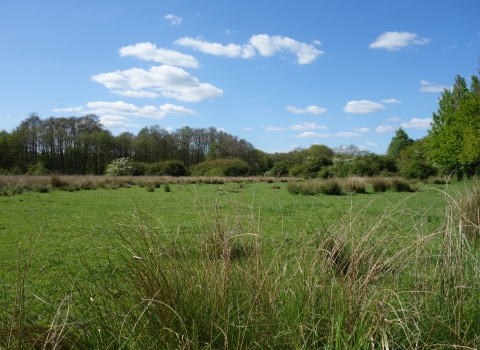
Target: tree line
82	145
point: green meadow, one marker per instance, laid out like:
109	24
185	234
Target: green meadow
239	265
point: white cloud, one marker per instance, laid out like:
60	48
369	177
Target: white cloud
169	129
136	94
391	100
362	129
171	81
122	108
265	45
307	126
316	42
78	109
363	106
311	134
309	109
267	110
149	52
174	20
230	50
394	119
117	122
371	144
248	129
221	129
348	134
431	87
269	45
275	128
394	41
415	123
385	128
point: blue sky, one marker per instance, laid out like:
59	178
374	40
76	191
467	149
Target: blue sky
278	74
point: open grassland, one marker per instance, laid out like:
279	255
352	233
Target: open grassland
238	265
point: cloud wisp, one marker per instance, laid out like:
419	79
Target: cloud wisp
426	86
297	127
414	123
115	111
311	134
264	44
394	41
171	82
174	20
117	122
391	100
149	52
309	110
363	107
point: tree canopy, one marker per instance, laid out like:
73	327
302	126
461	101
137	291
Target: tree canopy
453	142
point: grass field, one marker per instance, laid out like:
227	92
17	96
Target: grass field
237	265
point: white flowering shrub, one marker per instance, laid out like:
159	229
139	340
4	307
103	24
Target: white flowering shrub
119	167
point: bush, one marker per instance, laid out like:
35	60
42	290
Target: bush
168	168
140	168
119	167
279	169
418	170
221	167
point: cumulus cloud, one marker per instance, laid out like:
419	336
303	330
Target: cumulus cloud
230	50
415	123
174	20
431	87
171	82
121	108
266	45
385	128
117	122
309	109
394	41
362	129
269	45
149	52
362	107
78	109
136	94
391	100
311	134
307	126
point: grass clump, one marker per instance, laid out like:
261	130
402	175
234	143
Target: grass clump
312	188
355	185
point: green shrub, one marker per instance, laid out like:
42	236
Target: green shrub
279	169
140	168
167	168
418	170
221	167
